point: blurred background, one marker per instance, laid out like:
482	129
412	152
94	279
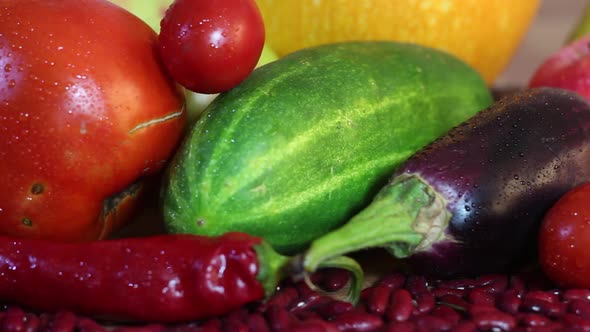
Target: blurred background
550	28
552	25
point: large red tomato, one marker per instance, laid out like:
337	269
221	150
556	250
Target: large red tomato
86	109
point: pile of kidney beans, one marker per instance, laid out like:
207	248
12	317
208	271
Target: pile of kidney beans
394	302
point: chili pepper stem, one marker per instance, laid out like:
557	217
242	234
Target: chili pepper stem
406	216
272	268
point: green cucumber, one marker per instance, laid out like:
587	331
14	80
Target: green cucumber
306	141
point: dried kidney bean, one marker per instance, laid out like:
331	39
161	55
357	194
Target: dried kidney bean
14	319
580	308
481	296
487	303
331	280
282	298
279	318
307	298
212	325
458	284
394	280
545	296
465	326
85	324
399	327
576	294
33	323
400	307
494	320
354	321
378	299
517	285
332	308
494	283
476	309
432	323
424	303
532	319
306	315
63	321
510	301
546	308
313	325
576	322
447	313
233	325
160	328
455	301
443	291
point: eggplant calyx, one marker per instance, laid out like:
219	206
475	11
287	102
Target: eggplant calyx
432	221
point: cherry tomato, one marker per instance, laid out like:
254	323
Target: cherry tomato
210	46
564	239
86	109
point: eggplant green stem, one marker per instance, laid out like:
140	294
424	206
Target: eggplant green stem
348	264
406	216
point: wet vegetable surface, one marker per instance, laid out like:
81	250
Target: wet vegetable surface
472	201
136	279
210	46
298	147
87	113
563	239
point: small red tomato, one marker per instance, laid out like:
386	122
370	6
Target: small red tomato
210	46
86	109
564	239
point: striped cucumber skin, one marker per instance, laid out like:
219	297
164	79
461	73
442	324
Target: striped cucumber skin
306	141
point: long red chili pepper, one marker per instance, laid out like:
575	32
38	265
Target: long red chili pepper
164	278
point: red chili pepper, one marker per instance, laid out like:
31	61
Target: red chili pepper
165	278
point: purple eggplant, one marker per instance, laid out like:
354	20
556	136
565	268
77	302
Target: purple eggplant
472	201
